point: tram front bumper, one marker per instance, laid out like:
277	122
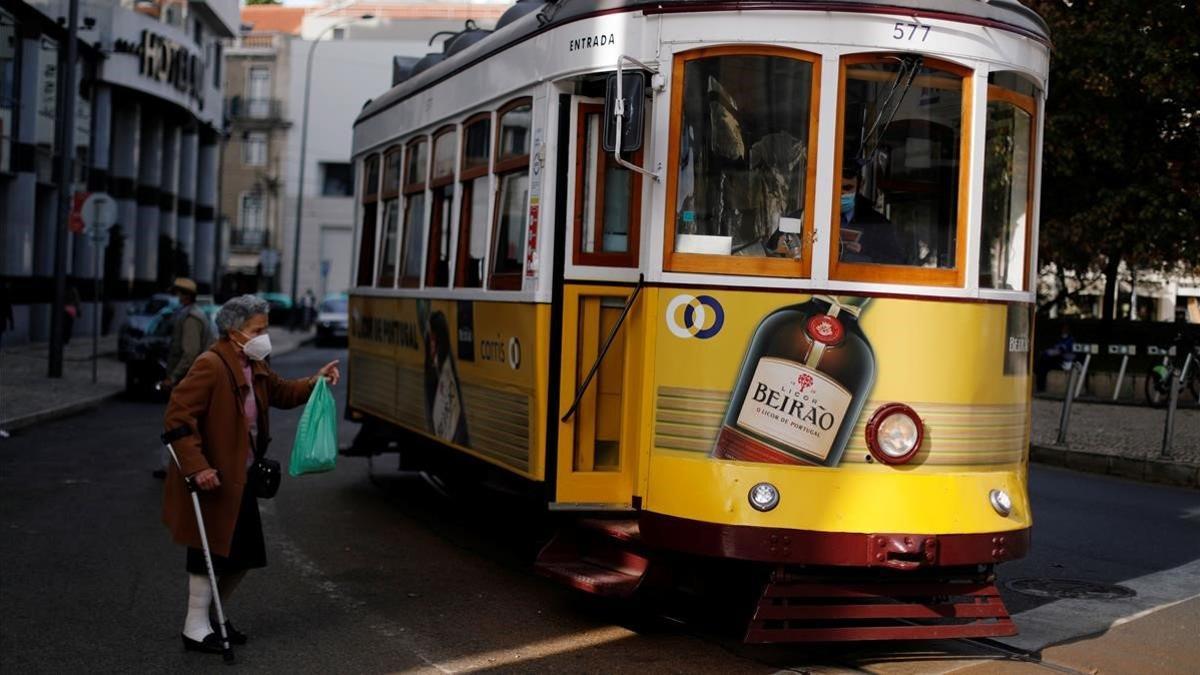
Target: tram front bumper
841	549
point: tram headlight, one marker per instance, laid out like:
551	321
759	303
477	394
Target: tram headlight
894	433
1000	501
764	497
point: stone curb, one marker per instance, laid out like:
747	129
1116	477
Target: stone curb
66	410
1148	470
83	405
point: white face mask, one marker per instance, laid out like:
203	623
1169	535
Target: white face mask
257	348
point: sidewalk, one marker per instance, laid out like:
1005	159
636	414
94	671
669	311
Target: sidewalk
28	397
1119	440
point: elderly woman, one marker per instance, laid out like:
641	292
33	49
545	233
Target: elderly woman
224	399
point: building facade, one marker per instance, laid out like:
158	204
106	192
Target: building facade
352	60
256	82
148	122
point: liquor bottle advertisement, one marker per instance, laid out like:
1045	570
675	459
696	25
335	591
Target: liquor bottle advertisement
794	406
804	378
793	378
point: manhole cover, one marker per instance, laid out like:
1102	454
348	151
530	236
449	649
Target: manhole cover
1074	589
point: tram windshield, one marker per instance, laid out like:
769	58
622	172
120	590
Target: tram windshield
743	157
1007	182
901	154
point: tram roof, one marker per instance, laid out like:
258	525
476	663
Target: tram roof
539	17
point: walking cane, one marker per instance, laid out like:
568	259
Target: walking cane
167	439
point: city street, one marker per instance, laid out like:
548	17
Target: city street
389	575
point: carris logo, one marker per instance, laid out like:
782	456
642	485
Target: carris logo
501	352
691	316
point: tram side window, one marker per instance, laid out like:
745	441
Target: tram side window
746	130
1008	182
366	246
512	214
390	193
473	218
441	182
608	197
901	159
415	167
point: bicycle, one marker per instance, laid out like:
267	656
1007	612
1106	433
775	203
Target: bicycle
1162	376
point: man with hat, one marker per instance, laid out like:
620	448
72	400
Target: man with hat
191	335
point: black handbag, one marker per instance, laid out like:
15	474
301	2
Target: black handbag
264	476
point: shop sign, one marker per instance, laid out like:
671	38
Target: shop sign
165	60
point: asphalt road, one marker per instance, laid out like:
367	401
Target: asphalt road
384	574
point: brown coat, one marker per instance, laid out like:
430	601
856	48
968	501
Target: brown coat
209	401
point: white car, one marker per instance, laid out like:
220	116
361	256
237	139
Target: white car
332	319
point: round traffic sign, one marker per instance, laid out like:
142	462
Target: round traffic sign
99	212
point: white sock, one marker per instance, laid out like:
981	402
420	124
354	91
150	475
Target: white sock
196	626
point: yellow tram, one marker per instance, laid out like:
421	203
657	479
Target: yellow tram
746	281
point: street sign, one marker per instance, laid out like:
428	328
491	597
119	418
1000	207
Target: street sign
325	267
98	213
75	222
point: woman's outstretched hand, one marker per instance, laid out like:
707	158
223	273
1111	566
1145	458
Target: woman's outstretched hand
330	371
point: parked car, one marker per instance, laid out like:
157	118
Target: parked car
146	356
333	319
281	307
137	318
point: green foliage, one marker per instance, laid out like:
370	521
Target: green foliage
262	2
1122	139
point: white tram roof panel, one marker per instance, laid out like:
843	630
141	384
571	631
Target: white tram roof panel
528	18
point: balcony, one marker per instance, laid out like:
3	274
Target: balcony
257	41
242	109
247	238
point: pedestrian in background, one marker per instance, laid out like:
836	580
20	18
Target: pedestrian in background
70	312
1060	355
6	314
224	401
190	335
309	305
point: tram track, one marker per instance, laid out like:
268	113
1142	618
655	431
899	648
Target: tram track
1021	655
879	662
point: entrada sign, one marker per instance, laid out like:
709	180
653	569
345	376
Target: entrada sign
168	61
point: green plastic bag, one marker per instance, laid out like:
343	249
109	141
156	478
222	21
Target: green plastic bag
316	448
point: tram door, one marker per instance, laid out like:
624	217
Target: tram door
596	461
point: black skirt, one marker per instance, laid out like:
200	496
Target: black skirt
246	551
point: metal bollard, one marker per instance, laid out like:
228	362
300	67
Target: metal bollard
1087	361
1172	403
1120	377
1068	398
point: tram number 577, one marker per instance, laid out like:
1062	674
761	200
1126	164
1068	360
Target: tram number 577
909	32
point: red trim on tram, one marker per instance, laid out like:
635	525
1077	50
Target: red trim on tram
904	551
881	8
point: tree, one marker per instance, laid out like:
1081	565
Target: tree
1121	166
262	2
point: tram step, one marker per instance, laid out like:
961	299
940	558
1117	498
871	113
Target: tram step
622	529
592	578
596	556
792	609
